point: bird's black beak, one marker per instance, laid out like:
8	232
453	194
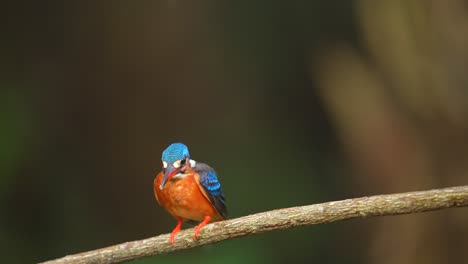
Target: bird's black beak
170	171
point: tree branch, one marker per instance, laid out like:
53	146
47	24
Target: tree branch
379	205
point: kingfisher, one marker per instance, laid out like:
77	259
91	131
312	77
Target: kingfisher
189	190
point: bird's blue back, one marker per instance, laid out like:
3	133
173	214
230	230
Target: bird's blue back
211	185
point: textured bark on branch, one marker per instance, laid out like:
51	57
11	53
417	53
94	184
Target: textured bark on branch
379	205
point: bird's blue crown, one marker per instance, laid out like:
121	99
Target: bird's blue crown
175	151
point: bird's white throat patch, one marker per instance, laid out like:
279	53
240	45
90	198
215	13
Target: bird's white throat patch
179	176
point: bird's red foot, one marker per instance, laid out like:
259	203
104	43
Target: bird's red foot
175	231
202	224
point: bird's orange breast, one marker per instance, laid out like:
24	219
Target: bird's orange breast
182	198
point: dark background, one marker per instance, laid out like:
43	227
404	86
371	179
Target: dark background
292	103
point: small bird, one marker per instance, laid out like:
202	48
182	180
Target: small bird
188	190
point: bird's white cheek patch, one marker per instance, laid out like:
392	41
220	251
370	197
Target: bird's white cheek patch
164	164
176	164
192	163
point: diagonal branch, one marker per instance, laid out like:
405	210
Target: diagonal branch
379	205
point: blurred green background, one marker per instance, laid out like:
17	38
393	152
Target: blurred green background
292	103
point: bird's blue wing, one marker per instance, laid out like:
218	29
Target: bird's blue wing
212	188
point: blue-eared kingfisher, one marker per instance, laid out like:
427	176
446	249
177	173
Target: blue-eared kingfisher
188	190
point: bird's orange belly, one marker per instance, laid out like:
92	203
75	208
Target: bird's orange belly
182	198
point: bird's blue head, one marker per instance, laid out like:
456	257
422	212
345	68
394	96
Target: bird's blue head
175	159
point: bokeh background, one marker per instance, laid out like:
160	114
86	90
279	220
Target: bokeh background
292	103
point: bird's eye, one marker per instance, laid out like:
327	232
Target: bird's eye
182	162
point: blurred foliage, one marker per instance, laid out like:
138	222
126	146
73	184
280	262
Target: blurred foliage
292	104
14	135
